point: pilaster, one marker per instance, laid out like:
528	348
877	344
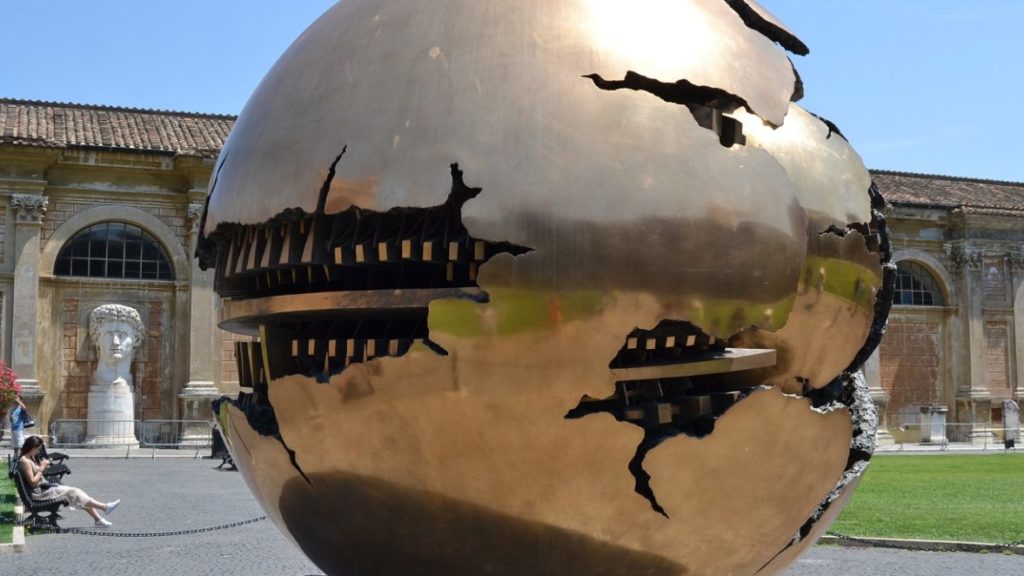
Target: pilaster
1015	264
873	377
200	390
202	315
29	210
967	263
973	400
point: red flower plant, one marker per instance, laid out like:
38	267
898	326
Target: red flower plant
9	387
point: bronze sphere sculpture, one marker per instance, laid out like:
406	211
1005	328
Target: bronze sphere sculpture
546	287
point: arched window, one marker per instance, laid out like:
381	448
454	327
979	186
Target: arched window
915	286
114	250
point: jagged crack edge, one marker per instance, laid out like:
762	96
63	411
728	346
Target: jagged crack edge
863	413
681	92
295	463
264	424
832	128
836	230
758	23
884	298
321	203
863	417
323	377
458	195
798	84
642	479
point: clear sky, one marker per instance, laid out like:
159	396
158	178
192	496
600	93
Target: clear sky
930	86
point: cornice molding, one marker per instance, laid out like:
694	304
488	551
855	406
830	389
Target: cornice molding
30	185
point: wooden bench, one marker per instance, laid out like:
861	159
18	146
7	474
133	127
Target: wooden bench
55	472
38	512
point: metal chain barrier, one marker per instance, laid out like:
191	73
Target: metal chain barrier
109	534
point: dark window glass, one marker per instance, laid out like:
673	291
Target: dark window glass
150	251
97	268
133	250
79	267
915	286
98	248
114	250
132	269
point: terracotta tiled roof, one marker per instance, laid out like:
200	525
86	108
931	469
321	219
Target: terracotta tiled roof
60	125
972	195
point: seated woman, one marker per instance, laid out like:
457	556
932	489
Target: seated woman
32	473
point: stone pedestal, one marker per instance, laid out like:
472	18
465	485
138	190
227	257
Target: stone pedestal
111	416
976	413
196	410
873	377
933	424
1011	422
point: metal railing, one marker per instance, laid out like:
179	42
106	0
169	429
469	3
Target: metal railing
94	433
177	434
956	435
74	433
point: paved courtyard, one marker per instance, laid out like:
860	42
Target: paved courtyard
165	494
171	494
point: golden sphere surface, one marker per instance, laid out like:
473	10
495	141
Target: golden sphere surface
546	287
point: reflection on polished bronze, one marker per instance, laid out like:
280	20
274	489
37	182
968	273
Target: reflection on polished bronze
546	287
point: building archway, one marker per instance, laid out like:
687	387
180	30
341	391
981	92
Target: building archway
940	274
116	251
913	354
163	234
160	367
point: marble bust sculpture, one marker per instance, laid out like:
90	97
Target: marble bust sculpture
116	331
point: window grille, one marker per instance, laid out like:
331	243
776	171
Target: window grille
114	250
915	286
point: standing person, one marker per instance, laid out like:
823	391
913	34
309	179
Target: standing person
18	424
39	489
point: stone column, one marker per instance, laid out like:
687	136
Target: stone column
973	400
200	390
29	210
873	377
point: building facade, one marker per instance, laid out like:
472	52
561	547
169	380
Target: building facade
101	205
952	338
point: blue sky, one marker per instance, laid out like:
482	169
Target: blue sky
930	86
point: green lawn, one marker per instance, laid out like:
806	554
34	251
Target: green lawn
8	496
973	498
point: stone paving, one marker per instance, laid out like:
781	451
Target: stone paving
159	495
837	561
171	494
